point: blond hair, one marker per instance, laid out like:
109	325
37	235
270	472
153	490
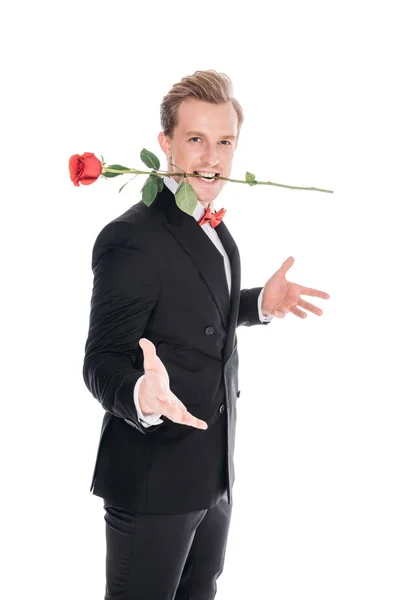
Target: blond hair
209	85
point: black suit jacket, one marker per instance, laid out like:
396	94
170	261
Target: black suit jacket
158	275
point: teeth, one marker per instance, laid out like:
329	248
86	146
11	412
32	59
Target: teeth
205	173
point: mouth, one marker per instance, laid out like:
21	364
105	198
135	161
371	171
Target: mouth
207	176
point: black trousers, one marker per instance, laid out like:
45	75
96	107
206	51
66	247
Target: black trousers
165	557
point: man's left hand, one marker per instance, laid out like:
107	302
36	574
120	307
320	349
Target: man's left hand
281	296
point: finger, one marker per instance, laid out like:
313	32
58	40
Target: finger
312	292
149	353
176	401
184	416
287	264
191	420
299	313
169	398
307	305
180	414
282	308
162	393
163	397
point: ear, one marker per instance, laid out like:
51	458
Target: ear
165	144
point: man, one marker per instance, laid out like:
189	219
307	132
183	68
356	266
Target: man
161	357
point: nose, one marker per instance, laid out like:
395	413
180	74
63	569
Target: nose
210	158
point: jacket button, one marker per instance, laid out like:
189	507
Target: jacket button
209	330
238	394
222	408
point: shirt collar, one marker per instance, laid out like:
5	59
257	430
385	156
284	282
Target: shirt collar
172	185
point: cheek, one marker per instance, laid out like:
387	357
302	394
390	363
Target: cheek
191	157
186	154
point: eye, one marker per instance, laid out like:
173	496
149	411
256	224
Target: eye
197	138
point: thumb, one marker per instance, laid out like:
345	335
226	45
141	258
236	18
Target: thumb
287	264
149	353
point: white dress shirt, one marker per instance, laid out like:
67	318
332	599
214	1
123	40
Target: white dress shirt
154	418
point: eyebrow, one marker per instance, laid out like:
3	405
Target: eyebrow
225	137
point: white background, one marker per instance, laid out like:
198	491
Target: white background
317	495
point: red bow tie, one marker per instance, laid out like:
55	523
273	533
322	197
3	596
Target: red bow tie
213	218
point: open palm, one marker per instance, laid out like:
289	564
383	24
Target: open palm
281	296
155	395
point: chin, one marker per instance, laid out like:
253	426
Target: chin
206	195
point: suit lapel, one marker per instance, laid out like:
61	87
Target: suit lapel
204	254
229	244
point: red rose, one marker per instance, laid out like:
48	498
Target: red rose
84	168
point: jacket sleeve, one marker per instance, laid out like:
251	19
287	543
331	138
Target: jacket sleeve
248	308
126	288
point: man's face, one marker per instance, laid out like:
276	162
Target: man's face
204	140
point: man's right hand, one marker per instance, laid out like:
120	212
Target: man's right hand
155	395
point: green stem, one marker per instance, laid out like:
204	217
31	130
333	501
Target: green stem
256	182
